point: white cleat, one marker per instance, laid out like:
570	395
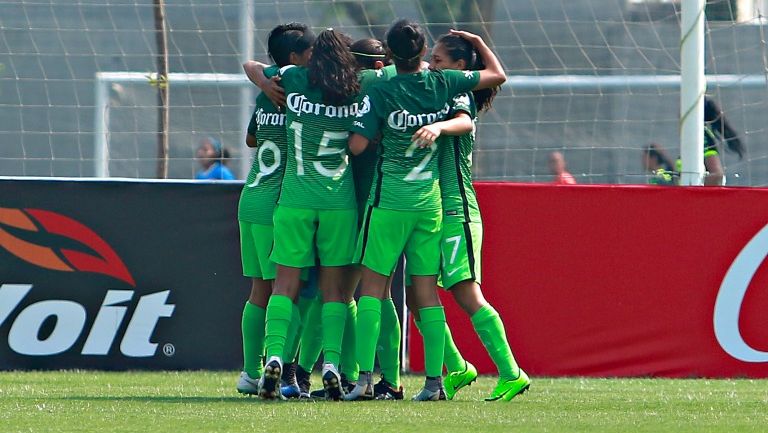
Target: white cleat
363	390
247	385
427	395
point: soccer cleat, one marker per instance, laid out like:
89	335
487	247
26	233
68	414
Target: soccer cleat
318	393
332	383
427	395
457	380
289	387
384	390
363	390
346	383
269	385
507	389
247	385
302	379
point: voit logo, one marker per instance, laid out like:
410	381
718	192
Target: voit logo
53	326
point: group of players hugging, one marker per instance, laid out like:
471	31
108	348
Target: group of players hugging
359	161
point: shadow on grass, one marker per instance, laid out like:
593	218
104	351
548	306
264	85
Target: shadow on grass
174	400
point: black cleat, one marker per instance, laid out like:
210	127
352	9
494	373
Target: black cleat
302	378
346	383
384	390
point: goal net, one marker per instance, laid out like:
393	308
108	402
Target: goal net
597	80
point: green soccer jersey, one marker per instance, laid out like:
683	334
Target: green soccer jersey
406	176
316	173
455	163
262	187
363	165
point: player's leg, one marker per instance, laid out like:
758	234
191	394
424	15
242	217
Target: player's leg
293	250
462	275
380	244
349	367
255	244
335	242
310	338
388	350
422	253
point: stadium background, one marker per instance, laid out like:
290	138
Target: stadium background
50	52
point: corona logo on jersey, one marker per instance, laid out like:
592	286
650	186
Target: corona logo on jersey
400	120
299	104
730	299
53	242
269	119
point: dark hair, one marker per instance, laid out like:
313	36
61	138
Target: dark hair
459	48
714	117
332	68
286	39
655	152
368	51
406	41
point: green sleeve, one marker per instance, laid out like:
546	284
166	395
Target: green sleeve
367	122
461	81
461	103
271	71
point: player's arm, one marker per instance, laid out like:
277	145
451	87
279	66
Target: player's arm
428	134
250	133
250	140
255	72
493	75
357	143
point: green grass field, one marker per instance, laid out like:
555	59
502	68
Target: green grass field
190	402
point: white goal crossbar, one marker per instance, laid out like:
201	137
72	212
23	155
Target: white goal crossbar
514	83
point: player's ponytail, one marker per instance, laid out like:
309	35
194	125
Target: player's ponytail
714	116
406	42
459	48
332	68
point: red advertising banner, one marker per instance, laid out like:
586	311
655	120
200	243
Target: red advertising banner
623	280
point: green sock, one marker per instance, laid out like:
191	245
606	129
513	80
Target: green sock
279	314
334	318
348	353
292	337
454	362
388	347
490	329
369	321
253	339
311	336
433	330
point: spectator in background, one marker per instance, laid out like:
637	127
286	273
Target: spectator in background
717	130
657	161
212	156
557	168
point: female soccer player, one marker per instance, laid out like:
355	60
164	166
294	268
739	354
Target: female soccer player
287	44
462	232
404	213
316	213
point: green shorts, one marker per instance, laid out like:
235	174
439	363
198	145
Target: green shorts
386	234
255	247
302	235
461	246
